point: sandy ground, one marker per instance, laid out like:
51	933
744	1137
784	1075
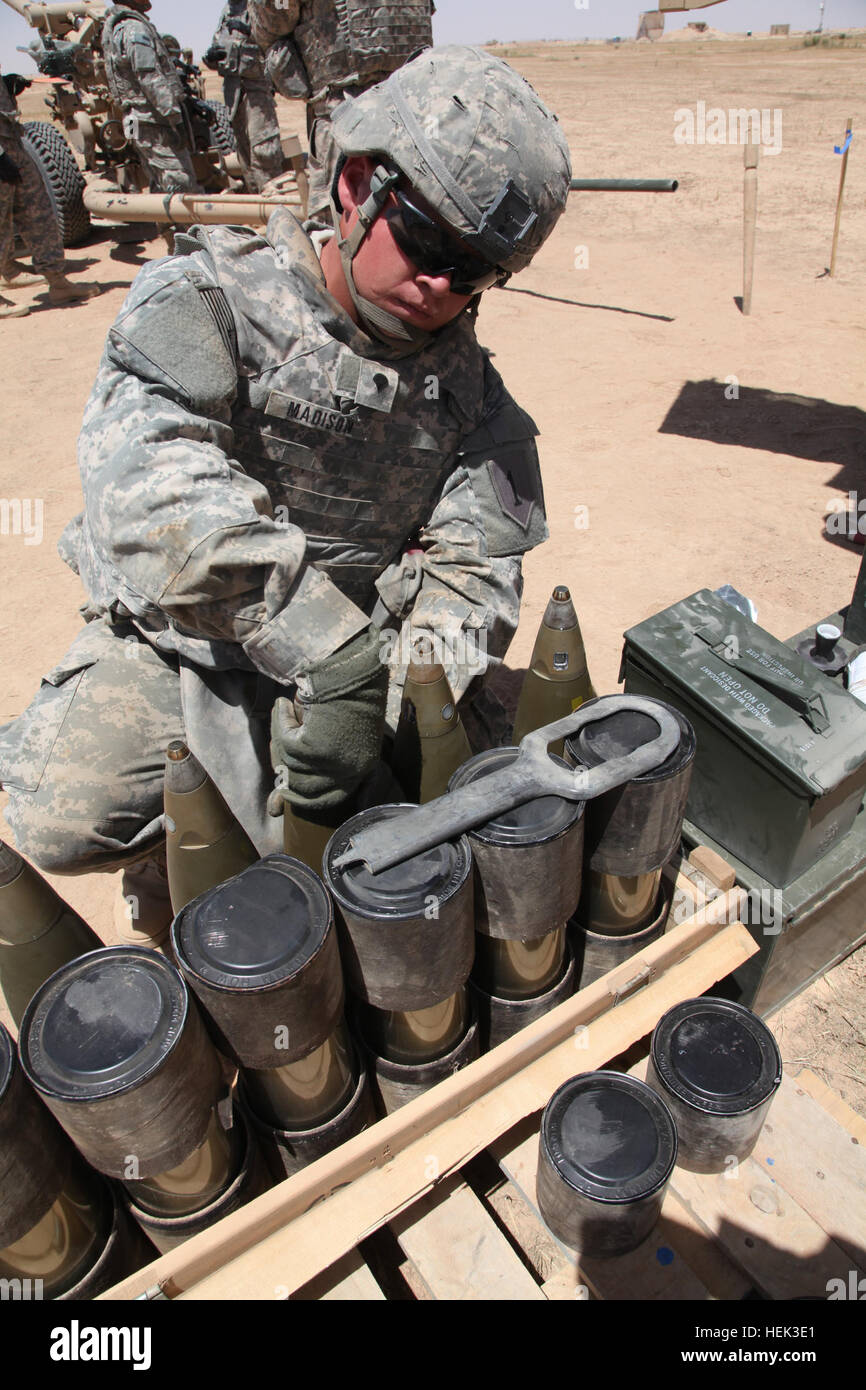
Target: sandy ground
628	314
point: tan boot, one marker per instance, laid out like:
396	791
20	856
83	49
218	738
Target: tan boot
8	310
16	276
142	908
63	291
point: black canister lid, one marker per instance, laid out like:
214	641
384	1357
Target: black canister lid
7	1060
103	1023
256	930
610	1136
405	889
716	1056
534	822
624	731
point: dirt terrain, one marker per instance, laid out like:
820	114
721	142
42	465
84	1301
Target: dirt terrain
626	323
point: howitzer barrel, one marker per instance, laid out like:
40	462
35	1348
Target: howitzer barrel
623	186
76	9
184	209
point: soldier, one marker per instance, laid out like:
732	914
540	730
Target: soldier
248	94
26	208
344	48
144	82
282	456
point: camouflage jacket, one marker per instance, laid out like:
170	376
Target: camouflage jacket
350	43
10	131
140	72
244	57
260	477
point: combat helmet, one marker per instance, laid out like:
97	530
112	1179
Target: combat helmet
473	138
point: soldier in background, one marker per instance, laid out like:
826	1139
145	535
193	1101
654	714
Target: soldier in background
281	458
249	95
144	82
25	208
345	48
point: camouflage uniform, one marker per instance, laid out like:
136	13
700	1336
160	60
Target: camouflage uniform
143	81
245	520
346	48
249	96
25	207
263	480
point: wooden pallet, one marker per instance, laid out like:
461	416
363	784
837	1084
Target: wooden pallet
438	1200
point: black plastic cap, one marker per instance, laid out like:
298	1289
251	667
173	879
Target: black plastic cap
7	1061
533	823
610	1137
257	929
716	1057
623	732
405	889
103	1023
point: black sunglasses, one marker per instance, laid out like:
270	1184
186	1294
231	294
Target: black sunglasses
434	250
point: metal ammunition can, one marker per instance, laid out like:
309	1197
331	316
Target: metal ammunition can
406	933
607	1148
116	1048
527	860
635	828
260	952
718	1067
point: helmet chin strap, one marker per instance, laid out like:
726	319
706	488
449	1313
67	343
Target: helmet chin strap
401	337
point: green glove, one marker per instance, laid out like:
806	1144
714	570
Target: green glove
322	759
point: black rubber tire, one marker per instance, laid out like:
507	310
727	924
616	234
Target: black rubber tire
62	177
222	135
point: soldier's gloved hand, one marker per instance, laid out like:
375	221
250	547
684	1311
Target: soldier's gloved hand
9	171
321	761
214	56
15	83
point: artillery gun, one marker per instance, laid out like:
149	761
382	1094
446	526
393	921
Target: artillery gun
96	170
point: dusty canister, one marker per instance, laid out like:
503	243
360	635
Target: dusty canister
527	860
260	952
406	933
116	1047
607	1148
633	829
718	1067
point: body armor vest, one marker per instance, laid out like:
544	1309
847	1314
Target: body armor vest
353	450
243	58
352	42
122	81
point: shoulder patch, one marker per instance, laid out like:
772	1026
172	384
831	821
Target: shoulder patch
178	337
507	483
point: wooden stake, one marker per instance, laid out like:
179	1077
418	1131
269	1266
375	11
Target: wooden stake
750	214
848	125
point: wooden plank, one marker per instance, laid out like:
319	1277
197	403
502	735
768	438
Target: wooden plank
458	1250
763	1230
526	1228
696	950
339	1219
818	1163
654	1271
833	1104
719	1275
347	1281
713	867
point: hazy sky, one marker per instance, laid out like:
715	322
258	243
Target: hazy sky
478	21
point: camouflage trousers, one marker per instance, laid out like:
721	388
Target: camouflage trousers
257	130
166	158
26	208
83	765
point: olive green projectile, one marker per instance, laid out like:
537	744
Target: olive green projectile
430	742
557	682
39	932
204	843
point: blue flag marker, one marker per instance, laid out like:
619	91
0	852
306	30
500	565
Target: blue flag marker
840	149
